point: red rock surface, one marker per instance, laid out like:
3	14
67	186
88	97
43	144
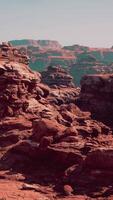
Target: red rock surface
56	77
47	141
96	96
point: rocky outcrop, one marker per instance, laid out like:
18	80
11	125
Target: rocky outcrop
60	96
19	89
63	90
10	53
96	96
55	76
94	174
45	136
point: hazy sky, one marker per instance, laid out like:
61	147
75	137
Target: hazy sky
86	22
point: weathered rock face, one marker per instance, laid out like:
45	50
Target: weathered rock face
43	127
9	53
96	96
57	77
62	96
19	89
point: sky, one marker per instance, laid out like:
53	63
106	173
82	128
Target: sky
84	22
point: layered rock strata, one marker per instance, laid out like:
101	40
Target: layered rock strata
55	77
56	145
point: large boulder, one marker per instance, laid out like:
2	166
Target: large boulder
96	96
101	158
45	127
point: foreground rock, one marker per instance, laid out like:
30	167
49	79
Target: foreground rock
11	189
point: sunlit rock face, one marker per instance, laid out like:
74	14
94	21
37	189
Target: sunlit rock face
19	85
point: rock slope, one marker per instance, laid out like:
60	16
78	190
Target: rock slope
46	141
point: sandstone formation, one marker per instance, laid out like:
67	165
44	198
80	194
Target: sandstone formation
46	141
10	53
96	96
61	83
55	76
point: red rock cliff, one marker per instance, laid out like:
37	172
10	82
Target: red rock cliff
96	96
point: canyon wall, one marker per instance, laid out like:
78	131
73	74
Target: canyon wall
46	139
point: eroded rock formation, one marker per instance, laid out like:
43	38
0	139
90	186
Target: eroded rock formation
10	53
48	139
55	77
96	96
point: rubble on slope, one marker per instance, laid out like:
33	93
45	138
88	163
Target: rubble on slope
56	145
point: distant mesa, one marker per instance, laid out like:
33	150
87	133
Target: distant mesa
77	59
42	44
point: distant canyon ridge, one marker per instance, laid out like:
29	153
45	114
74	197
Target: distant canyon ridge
78	60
